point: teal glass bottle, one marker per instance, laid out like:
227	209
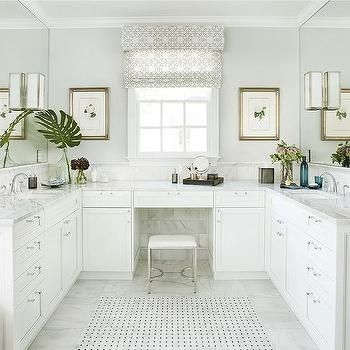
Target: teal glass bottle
304	173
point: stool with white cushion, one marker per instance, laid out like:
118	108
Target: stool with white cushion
171	242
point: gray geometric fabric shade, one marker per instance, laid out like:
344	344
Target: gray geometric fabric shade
173	56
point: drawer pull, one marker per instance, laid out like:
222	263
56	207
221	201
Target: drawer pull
66	222
316	301
309	294
316	274
316	247
67	234
236	193
314	219
31	300
279	221
280	234
245	193
29	220
33	273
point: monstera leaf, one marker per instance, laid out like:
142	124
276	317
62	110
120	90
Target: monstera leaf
5	137
63	132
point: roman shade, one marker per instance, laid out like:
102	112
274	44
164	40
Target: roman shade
173	56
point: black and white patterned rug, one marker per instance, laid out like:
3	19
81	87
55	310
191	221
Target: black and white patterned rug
162	323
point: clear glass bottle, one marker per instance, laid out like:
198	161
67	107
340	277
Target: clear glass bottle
304	173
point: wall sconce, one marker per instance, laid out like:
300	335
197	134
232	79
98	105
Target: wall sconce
322	91
27	91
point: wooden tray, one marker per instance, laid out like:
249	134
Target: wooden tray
213	182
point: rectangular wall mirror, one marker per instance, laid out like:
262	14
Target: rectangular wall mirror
324	47
25	45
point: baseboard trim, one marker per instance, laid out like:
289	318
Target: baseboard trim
240	275
103	275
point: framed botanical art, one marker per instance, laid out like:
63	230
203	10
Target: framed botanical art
336	124
7	116
259	113
89	107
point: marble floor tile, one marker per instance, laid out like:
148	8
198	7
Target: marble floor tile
65	327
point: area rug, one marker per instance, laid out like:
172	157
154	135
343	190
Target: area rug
178	323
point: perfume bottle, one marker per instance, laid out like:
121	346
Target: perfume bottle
174	177
304	173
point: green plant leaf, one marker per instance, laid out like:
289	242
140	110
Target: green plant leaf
5	137
62	131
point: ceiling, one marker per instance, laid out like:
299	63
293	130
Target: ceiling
114	13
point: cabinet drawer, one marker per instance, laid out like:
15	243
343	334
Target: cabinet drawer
28	314
320	282
25	256
241	199
321	229
27	282
62	208
173	199
28	224
319	256
98	199
321	316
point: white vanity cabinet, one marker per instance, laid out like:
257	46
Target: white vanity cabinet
239	234
63	248
307	265
278	250
107	243
40	257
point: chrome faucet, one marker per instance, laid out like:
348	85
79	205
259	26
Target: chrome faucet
13	182
334	187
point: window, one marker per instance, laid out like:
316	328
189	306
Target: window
173	122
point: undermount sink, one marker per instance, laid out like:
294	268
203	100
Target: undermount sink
39	195
311	195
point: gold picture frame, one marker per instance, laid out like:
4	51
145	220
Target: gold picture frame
20	131
259	114
90	108
335	125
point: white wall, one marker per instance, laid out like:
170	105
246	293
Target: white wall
260	57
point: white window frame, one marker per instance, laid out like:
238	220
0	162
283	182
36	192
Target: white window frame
134	156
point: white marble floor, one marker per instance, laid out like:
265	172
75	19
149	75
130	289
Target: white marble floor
65	327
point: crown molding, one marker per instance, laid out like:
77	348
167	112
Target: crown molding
227	21
327	22
33	7
310	11
20	24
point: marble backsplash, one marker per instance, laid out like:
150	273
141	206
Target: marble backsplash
229	170
38	169
177	221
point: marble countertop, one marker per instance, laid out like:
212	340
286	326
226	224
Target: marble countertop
335	208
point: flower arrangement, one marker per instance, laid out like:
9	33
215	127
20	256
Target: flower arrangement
342	154
80	164
286	155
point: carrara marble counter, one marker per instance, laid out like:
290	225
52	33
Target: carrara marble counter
335	208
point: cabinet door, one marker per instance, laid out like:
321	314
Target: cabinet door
278	246
53	263
107	239
295	283
69	250
239	239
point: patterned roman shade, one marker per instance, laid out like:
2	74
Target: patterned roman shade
173	56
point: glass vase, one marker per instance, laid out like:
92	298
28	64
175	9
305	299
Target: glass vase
81	178
286	173
6	159
61	169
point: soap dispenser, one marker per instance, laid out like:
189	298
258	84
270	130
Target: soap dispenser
304	173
